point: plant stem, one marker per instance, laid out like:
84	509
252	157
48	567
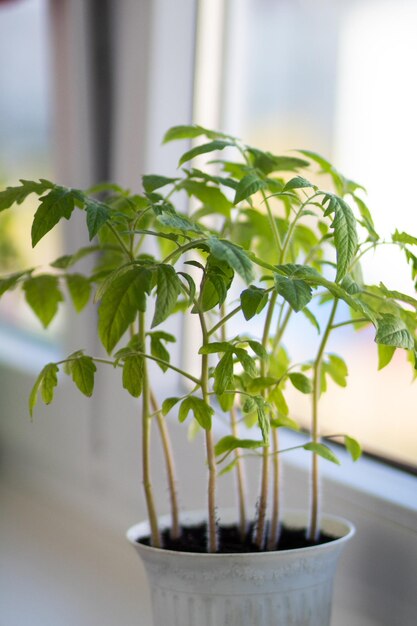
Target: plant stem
169	461
211	458
274	530
146	444
263	497
239	467
314	512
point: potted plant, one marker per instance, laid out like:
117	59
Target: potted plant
262	243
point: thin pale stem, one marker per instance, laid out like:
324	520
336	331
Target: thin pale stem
170	468
146	444
274	529
314	519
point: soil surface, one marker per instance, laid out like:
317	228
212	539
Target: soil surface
194	539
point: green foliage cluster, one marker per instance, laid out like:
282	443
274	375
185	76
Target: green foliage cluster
261	241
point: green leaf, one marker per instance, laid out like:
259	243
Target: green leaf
80	290
151	182
82	370
233	255
58	203
260	383
258	349
217	144
223	374
11	281
230	443
301	382
132	378
201	410
267	162
353	447
397	295
49	382
226	401
124	297
277	398
215	347
249	185
210	196
337	369
253	300
263	418
180	222
43	295
345	236
98	214
247	362
298	183
385	354
311	318
322	450
404	238
188	132
168	404
392	331
67	260
168	288
46	382
159	351
296	292
16	195
350	285
283	421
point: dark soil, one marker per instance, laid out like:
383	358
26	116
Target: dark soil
194	539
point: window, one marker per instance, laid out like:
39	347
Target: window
338	78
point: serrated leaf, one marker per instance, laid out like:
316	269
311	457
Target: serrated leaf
350	285
322	450
11	281
98	214
392	331
211	146
296	292
404	238
249	185
16	195
151	182
168	404
180	222
223	374
233	255
188	132
247	362
43	295
263	418
345	236
298	182
133	370
253	300
353	447
82	370
123	299
215	347
159	351
277	398
191	286
200	409
337	369
283	421
57	204
385	354
80	290
311	318
230	443
49	382
168	288
301	382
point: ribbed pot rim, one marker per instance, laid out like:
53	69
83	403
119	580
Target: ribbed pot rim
296	518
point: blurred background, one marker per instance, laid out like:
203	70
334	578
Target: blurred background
87	90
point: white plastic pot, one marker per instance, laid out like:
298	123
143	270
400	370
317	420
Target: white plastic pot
283	588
